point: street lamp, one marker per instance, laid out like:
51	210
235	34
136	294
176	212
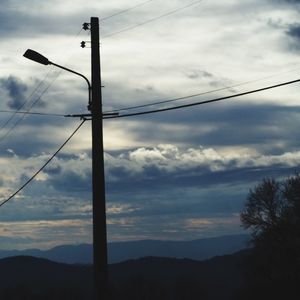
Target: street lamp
95	107
41	59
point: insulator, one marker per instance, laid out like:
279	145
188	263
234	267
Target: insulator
85	26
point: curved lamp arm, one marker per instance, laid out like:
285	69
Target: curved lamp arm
39	58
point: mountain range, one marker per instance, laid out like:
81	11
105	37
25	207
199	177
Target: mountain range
200	249
24	277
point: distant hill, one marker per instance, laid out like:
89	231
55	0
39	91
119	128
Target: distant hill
25	277
120	251
219	278
145	278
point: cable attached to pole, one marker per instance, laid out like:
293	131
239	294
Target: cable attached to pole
31	113
198	94
201	102
42	168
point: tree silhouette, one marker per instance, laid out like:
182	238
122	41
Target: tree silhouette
272	213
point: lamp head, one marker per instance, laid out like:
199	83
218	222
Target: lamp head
37	57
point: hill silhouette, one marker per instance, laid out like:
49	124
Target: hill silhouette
32	278
25	277
200	249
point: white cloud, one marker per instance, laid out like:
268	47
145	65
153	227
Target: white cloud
46	234
172	160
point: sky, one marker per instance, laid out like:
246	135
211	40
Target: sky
177	175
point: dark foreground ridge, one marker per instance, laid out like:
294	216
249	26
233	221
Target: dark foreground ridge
156	278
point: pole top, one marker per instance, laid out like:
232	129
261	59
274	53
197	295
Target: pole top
95	19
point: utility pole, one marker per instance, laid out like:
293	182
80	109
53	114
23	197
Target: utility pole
95	106
99	207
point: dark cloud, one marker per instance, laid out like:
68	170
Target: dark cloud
39	137
219	124
53	170
214	203
16	91
18	23
197	177
213	80
291	1
15	240
71	182
14	23
69	156
294	31
119	172
196	74
160	202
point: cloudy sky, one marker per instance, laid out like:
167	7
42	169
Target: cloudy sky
178	175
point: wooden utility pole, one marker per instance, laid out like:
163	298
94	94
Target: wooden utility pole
99	207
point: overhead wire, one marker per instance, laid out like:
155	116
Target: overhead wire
152	20
33	103
24	103
197	94
179	98
125	11
143	113
140	106
32	113
25	113
203	102
43	167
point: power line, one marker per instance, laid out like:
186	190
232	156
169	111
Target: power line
165	101
33	103
151	20
47	162
148	112
203	102
198	94
35	90
56	74
32	113
25	113
23	104
125	10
